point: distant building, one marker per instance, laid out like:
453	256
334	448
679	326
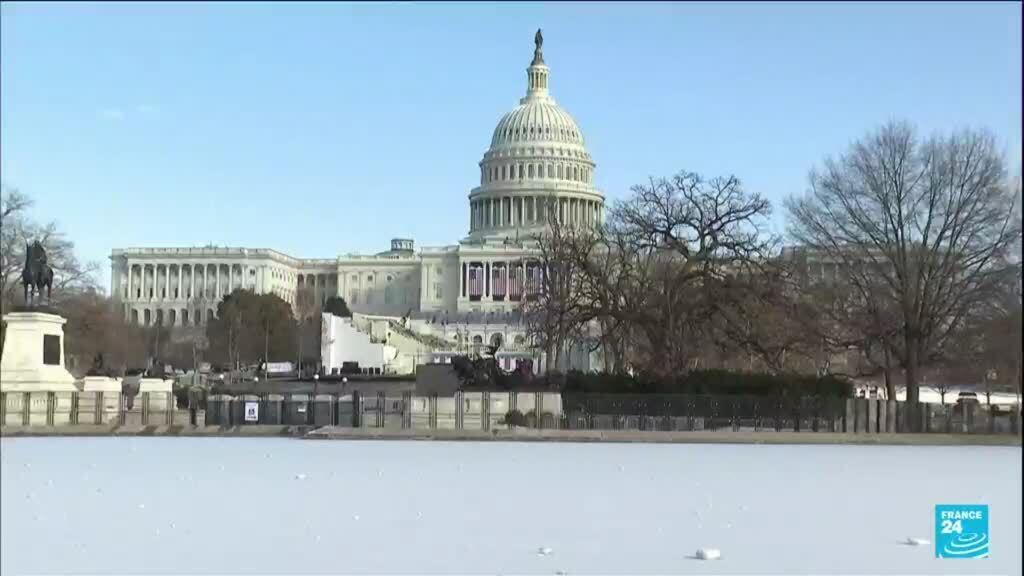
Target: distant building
466	293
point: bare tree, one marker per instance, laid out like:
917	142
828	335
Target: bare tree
650	281
554	310
922	228
687	239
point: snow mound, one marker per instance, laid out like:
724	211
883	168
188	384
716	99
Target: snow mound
911	541
300	476
708	553
543	551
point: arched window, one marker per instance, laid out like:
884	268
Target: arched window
495	339
520	171
478	339
559	171
504	172
531	171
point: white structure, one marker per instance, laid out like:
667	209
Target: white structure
536	166
33	356
342	342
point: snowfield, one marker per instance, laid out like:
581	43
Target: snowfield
284	506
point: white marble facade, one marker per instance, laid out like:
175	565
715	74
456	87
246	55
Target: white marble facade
536	166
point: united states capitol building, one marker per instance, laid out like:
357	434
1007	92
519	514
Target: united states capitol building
426	303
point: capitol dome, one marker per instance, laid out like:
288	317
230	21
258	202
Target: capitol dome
537	165
536	120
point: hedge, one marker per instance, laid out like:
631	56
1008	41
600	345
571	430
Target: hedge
701	382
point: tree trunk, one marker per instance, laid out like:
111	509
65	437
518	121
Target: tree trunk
911	370
890	384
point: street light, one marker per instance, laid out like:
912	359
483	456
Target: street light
316	383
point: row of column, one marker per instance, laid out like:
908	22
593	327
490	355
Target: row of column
168	317
154	281
321	286
512	211
497	281
529	171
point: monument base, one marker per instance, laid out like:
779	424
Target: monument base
33	355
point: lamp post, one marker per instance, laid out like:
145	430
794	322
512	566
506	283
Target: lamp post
316	383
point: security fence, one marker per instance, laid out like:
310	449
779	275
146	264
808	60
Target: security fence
493	410
490	410
97	408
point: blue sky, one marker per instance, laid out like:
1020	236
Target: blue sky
318	129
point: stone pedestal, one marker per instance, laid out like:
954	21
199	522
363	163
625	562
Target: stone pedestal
100	400
33	355
159	393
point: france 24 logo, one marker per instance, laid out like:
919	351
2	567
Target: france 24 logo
961	531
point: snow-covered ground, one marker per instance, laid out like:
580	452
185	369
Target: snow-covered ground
243	505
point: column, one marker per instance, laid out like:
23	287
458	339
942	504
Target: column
462	281
216	282
167	281
487	279
130	296
231	277
512	211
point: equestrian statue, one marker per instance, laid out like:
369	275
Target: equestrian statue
37	273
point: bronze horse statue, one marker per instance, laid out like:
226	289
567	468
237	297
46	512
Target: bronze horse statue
37	273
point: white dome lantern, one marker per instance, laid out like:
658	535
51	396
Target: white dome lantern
537	162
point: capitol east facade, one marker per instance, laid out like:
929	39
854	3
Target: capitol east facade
465	294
